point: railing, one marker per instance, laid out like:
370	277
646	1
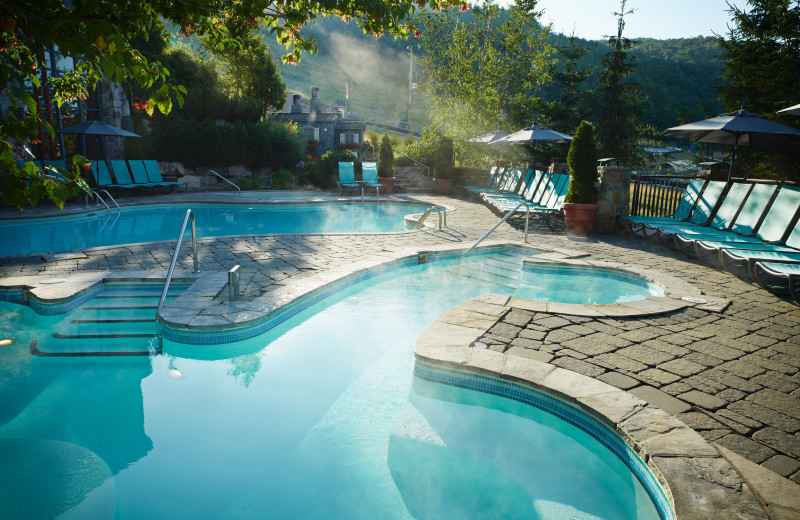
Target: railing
441	211
100	198
414	161
657	195
510	213
189	214
223	178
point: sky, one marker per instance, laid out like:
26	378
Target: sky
594	19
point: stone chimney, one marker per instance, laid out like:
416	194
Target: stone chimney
314	99
296	108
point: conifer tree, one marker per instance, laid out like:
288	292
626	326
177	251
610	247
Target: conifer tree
572	105
386	158
618	128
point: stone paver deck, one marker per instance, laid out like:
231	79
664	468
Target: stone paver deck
730	372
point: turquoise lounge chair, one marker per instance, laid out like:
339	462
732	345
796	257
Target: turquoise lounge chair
779	278
139	174
541	187
744	224
769	234
102	176
720	221
154	174
520	191
682	212
369	178
702	213
741	262
494	174
347	178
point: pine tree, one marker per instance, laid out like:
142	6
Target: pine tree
573	103
618	129
761	73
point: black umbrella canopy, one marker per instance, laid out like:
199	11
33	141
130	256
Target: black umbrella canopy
95	127
738	128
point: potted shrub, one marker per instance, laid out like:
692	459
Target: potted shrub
581	205
386	165
443	167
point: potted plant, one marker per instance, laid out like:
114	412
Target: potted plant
581	205
443	167
386	165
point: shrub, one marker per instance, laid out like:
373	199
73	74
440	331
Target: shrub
284	180
443	159
325	172
386	158
251	182
203	143
582	164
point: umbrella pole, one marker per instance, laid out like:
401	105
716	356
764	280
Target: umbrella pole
730	168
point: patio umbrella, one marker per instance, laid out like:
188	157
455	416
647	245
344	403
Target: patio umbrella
534	134
97	128
795	110
737	128
490	137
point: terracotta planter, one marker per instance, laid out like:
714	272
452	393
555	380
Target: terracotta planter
579	218
388	184
443	186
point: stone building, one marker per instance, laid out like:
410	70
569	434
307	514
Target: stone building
325	125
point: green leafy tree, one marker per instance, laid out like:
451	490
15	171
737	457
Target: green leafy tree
582	164
99	35
386	158
572	104
618	129
761	56
482	71
248	67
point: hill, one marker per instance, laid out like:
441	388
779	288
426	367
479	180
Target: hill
678	76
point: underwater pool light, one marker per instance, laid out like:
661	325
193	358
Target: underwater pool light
7	342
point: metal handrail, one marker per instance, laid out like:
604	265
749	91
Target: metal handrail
427	213
223	178
413	160
100	198
189	213
527	218
110	197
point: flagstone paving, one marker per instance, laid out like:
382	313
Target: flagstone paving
732	374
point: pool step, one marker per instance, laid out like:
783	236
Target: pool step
501	270
113	323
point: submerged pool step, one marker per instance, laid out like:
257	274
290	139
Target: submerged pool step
498	269
112	323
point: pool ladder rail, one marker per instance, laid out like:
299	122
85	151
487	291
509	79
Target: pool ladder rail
510	213
212	172
442	212
189	216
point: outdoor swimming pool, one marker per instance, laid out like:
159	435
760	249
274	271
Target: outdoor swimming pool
154	223
323	420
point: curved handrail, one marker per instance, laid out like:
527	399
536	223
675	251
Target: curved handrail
223	178
98	192
189	213
527	218
414	161
427	213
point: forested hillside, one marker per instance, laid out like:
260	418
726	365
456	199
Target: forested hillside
678	76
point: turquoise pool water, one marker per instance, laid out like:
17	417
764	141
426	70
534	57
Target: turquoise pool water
324	419
159	222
